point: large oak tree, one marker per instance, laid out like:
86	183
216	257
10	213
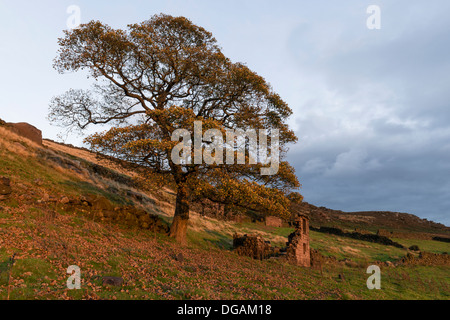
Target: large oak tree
162	75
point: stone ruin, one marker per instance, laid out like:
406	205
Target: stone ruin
252	246
272	221
5	188
297	249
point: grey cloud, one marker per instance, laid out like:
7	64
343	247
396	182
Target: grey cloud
375	134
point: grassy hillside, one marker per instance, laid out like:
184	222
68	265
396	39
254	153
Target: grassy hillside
40	238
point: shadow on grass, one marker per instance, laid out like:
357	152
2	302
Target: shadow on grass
88	188
5	266
219	240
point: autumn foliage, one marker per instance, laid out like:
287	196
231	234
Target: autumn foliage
162	75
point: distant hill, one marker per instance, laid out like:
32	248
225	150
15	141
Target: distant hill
371	220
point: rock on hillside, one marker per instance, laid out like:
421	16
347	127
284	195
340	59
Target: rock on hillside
25	130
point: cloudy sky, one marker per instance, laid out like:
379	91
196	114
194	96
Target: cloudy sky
371	106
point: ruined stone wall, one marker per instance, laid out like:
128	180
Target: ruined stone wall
298	250
362	231
413	235
208	208
101	209
252	246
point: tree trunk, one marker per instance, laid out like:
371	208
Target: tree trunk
179	225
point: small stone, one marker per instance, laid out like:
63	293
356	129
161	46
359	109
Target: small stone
178	257
390	264
65	200
112	281
5	186
87	200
